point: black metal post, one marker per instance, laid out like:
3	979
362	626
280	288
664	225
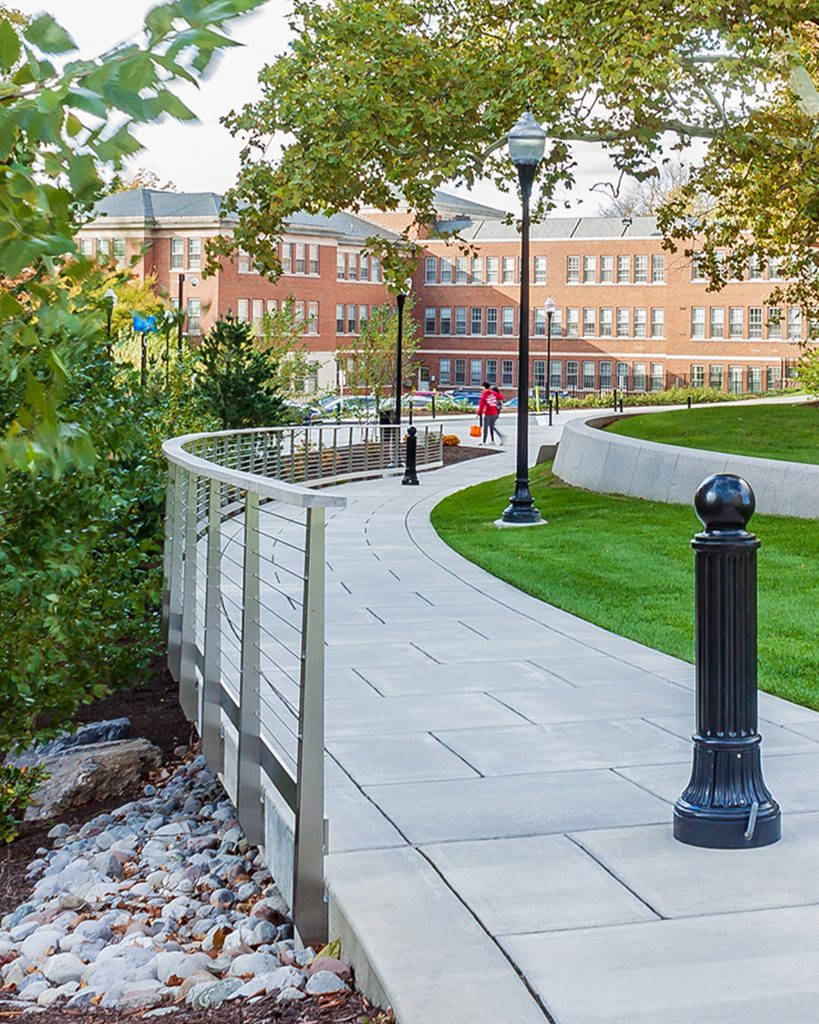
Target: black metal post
689	401
410	474
109	318
433	406
521	510
410	409
557	402
550	412
726	804
615	399
143	362
549	315
621	403
400	300
181	316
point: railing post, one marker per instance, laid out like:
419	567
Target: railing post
212	673
177	479
188	696
309	906
726	804
248	803
410	474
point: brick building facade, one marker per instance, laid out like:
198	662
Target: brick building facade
628	315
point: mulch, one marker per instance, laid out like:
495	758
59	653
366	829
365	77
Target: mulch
462	453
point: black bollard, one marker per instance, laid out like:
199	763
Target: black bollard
557	403
621	403
550	412
410	476
726	804
689	401
433	406
615	399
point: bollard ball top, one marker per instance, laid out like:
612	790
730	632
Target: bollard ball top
724	501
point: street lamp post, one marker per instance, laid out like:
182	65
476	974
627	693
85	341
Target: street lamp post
550	308
168	317
110	297
181	316
526	142
400	299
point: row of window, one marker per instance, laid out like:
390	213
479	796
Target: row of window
593	375
625	269
186	254
105	249
588	322
253	311
358	266
754	269
748	323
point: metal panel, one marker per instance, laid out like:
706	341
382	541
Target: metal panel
248	804
188	695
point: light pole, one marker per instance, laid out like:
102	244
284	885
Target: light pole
181	315
550	308
168	319
526	142
400	299
110	297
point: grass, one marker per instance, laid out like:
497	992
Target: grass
788	432
627	565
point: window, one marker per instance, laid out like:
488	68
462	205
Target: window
363	317
755	321
104	250
719	259
640	269
605	375
697	267
314	259
735	380
298	314
507	373
258	314
572	322
657	323
736	322
476	320
539	373
589	321
794	322
87	247
606	269
431	270
657	377
375	265
755	378
492	320
640	322
429	320
557	324
540	270
177	254
774	272
717	322
460	270
341	264
606	321
445	320
774	322
658	268
475	371
639	377
491	269
460	319
588	375
444	368
352	266
698	376
773	378
460	371
539	322
340	320
271	305
492	371
508	270
589	269
754	268
242	311
556	375
312	318
477	270
623	322
364	266
301	258
571	375
698	321
622	376
194	312
351	319
715	377
243	262
508	320
573	270
623	269
446	270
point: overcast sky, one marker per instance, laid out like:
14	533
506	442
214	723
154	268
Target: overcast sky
203	156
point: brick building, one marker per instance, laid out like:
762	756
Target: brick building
628	314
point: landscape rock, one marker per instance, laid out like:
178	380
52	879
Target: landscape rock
323	982
62	968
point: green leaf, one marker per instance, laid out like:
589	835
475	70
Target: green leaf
48	36
9	46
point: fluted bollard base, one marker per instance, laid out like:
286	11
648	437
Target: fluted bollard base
410	477
726	805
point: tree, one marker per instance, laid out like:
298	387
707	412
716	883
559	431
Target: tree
282	336
141	178
236	380
369	363
807	370
382	104
645	198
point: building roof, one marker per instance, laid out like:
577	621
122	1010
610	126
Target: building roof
477	229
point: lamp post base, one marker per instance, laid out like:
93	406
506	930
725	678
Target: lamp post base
503	524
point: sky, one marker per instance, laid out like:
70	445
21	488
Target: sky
203	156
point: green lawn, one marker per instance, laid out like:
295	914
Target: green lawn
626	564
768	431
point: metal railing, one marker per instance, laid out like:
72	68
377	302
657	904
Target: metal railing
243	611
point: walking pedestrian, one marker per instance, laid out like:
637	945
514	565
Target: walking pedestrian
489	409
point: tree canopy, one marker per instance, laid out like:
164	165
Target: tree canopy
381	104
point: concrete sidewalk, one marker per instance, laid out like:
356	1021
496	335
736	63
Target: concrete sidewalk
500	786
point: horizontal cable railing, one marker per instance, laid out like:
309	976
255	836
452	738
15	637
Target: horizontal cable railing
243	610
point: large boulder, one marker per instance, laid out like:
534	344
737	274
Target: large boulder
91	772
91	732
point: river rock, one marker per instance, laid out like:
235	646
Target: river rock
323	982
62	968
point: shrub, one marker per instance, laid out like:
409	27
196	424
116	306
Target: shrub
16	788
450	440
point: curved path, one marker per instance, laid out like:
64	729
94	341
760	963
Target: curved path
500	784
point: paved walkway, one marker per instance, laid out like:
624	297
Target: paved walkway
500	790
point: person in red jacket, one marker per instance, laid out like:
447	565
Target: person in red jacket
489	409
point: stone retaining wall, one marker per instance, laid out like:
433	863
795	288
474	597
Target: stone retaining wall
599	460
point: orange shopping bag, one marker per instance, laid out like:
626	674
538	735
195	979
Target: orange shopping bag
474	430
